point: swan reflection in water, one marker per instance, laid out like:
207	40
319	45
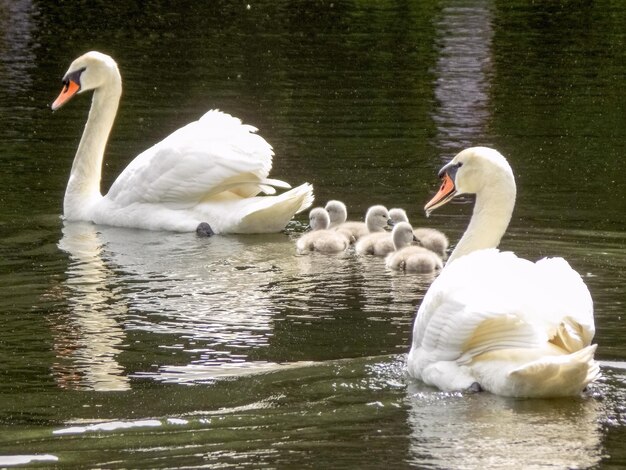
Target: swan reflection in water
454	430
207	305
88	337
195	309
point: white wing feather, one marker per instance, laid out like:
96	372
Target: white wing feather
214	154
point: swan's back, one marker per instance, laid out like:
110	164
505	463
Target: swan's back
490	283
202	159
489	302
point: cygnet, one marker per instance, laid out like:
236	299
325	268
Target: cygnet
378	242
338	215
410	258
320	238
429	238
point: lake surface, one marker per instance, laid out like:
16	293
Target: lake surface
132	349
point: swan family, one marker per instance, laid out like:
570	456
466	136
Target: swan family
490	320
332	233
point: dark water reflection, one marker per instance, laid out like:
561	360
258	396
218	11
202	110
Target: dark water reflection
132	349
215	307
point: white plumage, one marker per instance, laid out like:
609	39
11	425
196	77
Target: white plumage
209	171
515	327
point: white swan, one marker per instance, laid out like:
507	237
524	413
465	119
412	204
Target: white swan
494	321
320	238
408	257
209	171
338	215
430	238
377	242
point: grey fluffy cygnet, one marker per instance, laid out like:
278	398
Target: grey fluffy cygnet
378	242
338	221
429	238
320	238
408	257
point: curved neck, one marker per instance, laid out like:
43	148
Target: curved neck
83	188
490	219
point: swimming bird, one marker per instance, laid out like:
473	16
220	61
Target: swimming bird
337	211
320	238
408	257
207	172
338	221
430	238
491	320
377	242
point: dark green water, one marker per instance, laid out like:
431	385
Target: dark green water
132	349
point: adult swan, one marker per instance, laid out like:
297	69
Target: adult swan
493	321
208	172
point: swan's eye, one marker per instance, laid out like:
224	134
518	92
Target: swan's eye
459	165
66	85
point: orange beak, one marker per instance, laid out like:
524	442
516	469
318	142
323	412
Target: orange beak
68	91
446	192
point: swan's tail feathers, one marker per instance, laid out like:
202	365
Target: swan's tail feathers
268	186
276	183
556	376
569	335
247	185
271	214
305	192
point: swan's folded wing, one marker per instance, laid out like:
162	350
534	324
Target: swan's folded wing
492	300
475	306
567	303
215	154
461	332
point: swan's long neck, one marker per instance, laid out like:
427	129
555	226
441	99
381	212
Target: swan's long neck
83	188
490	219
